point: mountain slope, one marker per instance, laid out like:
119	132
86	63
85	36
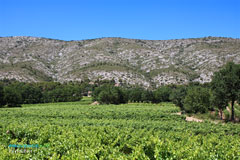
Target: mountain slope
143	62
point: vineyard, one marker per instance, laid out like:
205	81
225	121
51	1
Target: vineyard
141	131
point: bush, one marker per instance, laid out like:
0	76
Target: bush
109	94
178	95
197	100
12	96
30	94
135	94
2	101
237	114
147	96
67	92
226	114
162	94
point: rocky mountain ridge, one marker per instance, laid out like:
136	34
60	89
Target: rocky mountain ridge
144	62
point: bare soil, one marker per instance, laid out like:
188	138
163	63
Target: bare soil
190	118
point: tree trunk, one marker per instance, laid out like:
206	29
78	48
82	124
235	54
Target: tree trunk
221	113
232	116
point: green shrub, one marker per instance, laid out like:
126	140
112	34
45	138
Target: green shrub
226	114
162	94
12	96
177	96
197	100
237	113
2	101
135	94
109	94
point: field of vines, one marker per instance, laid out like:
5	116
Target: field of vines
77	130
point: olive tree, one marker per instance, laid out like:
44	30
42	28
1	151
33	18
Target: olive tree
226	85
197	100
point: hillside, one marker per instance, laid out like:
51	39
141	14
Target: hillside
144	62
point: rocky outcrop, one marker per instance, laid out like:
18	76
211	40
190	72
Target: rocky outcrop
143	62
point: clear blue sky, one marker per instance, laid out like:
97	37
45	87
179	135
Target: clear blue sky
138	19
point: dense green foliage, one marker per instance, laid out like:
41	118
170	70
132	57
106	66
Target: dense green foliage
162	94
30	94
135	94
12	96
197	100
219	101
226	85
75	130
2	101
177	96
109	94
13	93
62	93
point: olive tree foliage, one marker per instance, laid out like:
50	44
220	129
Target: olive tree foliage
12	96
136	94
14	93
162	94
197	100
2	101
147	96
177	96
226	86
109	94
139	94
30	93
219	101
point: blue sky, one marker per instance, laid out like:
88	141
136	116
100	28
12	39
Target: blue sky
138	19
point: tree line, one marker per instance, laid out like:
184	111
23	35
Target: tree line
14	93
191	98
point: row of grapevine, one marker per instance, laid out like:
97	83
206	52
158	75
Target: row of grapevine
131	131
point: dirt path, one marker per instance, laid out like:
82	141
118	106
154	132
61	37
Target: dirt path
193	119
189	119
